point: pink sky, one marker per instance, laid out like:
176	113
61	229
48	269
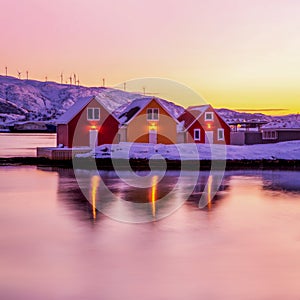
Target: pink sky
237	54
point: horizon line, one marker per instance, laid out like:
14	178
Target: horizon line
262	109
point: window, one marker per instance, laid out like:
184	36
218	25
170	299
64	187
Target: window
93	114
209	116
220	134
269	135
197	135
152	114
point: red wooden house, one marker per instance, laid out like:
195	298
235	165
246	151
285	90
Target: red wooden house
202	124
87	123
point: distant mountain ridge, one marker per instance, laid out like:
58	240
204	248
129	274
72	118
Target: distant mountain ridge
234	116
32	100
36	100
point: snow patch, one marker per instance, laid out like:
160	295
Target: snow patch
285	150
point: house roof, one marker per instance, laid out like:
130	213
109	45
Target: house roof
136	106
192	114
80	104
283	125
200	108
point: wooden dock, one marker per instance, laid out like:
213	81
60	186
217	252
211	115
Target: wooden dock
54	153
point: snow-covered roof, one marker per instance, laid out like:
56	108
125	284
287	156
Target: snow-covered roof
132	109
200	108
191	114
74	110
80	104
291	124
136	106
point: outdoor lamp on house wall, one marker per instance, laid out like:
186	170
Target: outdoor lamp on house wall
93	127
152	126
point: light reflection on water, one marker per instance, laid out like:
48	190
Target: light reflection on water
55	245
159	196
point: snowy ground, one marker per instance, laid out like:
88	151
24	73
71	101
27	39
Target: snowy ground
285	150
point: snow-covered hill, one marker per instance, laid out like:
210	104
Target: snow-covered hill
232	115
280	121
22	100
46	101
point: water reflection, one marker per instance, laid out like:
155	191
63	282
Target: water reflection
153	194
272	180
247	243
282	181
70	195
92	196
94	187
211	189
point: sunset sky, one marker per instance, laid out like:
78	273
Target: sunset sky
239	54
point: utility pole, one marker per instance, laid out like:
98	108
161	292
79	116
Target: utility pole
46	78
124	86
70	80
27	75
103	82
6	71
61	78
144	90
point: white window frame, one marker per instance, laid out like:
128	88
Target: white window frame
223	134
270	135
151	112
199	131
209	113
93	113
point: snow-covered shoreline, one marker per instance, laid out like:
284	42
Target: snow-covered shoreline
282	151
283	156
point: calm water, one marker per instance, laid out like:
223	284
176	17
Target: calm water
24	144
55	245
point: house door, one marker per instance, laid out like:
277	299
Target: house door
152	136
209	137
93	138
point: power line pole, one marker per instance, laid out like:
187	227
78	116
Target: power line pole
6	71
124	86
61	78
103	82
27	75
